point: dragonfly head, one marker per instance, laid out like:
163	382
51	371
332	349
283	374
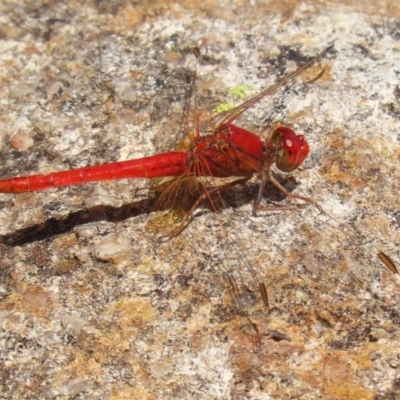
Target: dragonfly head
291	150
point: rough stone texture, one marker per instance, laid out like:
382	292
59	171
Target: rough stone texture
93	306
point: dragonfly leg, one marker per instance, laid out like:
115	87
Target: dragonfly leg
269	177
206	195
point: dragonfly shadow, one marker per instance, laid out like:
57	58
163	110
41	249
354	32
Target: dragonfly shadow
56	226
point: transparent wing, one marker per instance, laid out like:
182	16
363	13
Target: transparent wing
220	120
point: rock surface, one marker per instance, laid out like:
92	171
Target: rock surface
93	306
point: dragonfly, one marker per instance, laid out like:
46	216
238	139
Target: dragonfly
228	151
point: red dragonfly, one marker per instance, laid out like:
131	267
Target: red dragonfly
229	151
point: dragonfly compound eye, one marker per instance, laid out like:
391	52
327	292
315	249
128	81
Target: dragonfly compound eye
292	149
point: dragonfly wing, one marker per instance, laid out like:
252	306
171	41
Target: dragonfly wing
221	120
